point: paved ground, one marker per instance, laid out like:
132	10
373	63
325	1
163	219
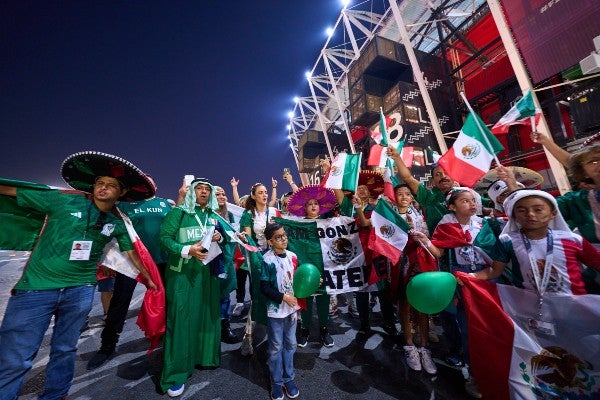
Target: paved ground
352	369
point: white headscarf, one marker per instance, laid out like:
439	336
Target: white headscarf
558	222
189	203
496	189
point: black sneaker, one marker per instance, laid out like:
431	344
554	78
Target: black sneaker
390	329
99	358
364	329
326	338
303	340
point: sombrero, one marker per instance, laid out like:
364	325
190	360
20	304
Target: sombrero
80	171
373	180
528	177
590	141
324	196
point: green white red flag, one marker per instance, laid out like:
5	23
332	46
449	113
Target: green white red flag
333	246
344	172
472	153
519	114
390	180
556	357
390	231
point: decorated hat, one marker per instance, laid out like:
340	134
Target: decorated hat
496	189
373	180
324	196
528	177
594	139
80	171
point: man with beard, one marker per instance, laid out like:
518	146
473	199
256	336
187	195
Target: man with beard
431	200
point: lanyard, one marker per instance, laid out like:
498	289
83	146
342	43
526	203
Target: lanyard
202	225
541	282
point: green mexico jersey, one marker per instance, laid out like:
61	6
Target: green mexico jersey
147	217
71	218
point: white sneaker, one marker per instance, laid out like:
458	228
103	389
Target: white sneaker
427	362
413	360
237	309
176	390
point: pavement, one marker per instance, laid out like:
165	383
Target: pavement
364	368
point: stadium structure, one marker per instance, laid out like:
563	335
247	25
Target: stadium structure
412	59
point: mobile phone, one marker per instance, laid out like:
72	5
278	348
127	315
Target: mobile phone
188	179
286	171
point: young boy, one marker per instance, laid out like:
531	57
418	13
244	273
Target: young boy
544	253
276	283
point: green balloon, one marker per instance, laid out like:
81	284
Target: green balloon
431	292
306	280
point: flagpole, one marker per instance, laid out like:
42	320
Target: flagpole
481	130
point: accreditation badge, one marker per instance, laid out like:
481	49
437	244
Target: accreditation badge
81	250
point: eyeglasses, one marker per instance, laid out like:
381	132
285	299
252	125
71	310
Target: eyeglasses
109	185
594	161
280	238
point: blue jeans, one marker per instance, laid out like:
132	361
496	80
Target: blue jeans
282	346
27	317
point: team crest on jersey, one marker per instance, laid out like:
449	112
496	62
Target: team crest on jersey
108	229
162	204
470	150
387	231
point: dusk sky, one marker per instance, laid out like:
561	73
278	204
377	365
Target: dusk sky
176	87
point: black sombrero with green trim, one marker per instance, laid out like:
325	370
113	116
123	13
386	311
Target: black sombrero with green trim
80	171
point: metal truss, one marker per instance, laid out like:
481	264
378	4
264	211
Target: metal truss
327	100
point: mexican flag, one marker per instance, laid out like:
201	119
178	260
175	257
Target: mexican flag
449	234
377	153
343	173
381	137
333	246
390	180
517	355
152	318
390	231
472	152
520	114
434	155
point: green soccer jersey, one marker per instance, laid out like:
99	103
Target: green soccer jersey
147	217
433	203
71	218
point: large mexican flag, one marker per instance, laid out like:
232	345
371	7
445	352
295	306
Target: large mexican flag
515	354
331	244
